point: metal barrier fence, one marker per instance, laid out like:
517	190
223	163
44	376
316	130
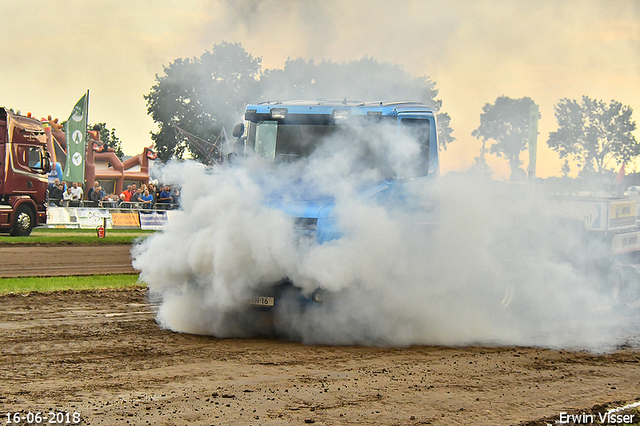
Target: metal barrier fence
126	205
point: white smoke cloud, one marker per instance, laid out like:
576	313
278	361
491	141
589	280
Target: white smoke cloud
392	278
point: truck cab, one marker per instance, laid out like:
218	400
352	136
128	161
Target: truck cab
286	132
24	164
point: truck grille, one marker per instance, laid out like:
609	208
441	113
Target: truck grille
306	224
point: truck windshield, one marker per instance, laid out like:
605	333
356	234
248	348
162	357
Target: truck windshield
288	142
372	141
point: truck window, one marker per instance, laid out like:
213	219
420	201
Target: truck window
266	134
30	156
419	129
288	142
35	157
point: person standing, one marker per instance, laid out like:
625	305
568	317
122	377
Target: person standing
66	197
76	191
96	195
165	195
127	193
135	198
146	199
55	195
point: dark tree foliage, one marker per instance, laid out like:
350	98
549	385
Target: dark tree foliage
593	133
203	95
506	122
109	138
365	79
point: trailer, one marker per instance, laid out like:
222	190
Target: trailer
611	241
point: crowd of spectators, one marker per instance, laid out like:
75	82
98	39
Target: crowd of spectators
150	196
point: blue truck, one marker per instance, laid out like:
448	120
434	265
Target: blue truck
291	131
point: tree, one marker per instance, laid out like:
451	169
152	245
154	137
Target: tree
109	138
201	95
506	122
364	79
593	133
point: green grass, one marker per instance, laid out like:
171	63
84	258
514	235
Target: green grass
44	284
76	236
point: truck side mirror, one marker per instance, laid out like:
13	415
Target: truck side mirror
238	130
46	163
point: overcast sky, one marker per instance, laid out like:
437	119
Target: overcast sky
475	51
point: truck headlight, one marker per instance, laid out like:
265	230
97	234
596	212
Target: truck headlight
278	113
341	114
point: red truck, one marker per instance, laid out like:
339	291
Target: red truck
24	164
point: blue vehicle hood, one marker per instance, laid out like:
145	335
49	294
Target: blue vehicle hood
316	208
319	207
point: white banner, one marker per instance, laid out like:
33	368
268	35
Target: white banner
77	217
91	218
153	220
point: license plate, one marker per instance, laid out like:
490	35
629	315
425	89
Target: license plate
261	301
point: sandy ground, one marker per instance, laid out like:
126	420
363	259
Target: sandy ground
102	355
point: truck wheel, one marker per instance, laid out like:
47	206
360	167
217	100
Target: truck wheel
616	284
633	295
23	222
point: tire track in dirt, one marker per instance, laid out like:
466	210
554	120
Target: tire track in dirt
43	261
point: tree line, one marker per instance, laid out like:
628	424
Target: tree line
591	132
201	96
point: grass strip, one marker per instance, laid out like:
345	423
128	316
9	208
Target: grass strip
49	236
85	282
88	231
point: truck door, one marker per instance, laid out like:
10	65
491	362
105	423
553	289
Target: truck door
422	129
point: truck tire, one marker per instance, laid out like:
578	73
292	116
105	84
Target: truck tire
614	285
23	222
622	288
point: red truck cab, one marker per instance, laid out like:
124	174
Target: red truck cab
24	164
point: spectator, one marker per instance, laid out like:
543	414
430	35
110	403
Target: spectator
55	195
76	191
158	190
93	188
146	199
175	196
96	195
127	193
135	198
67	196
165	195
54	185
153	192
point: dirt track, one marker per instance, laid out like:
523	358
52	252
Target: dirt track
101	354
25	261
